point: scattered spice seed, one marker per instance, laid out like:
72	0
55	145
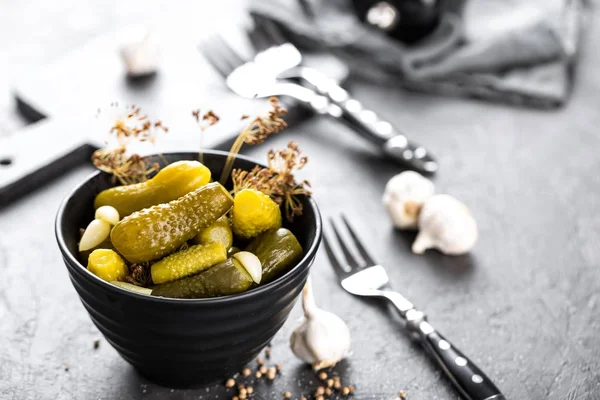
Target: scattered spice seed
328	391
263	369
96	344
258	374
351	388
329	382
271	374
260	361
402	395
235	398
287	395
337	385
230	383
320	390
322	376
66	367
250	389
278	367
268	353
303	398
246	372
345	391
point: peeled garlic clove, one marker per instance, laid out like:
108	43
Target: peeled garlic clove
108	214
445	224
96	233
251	263
322	339
404	196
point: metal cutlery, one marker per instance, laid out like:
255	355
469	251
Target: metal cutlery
365	277
270	74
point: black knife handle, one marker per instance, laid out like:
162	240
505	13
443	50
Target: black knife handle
470	381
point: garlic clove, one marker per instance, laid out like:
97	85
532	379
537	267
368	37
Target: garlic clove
404	196
445	224
251	263
95	233
108	214
323	338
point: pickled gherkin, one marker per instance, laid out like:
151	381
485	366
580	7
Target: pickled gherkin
107	264
278	250
226	278
220	232
188	262
155	232
170	183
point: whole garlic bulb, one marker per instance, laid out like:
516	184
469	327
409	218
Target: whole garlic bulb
404	196
323	338
445	224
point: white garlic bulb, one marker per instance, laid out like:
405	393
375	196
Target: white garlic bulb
96	232
108	214
445	224
323	338
404	196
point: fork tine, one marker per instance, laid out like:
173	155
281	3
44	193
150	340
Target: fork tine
220	55
361	249
352	263
333	259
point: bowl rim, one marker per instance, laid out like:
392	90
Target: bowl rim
307	259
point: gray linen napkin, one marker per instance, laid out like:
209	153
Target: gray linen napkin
517	51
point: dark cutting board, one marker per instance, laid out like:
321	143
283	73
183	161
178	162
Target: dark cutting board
68	92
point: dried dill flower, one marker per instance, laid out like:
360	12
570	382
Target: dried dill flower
135	125
256	132
204	122
277	181
127	169
139	275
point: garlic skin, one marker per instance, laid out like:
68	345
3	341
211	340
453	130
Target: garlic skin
404	196
445	224
95	233
251	263
323	338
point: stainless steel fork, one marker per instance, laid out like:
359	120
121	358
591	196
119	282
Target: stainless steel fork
365	277
269	74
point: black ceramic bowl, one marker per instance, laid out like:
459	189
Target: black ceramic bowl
184	342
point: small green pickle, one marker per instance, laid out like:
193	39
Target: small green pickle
154	232
170	183
278	250
188	262
220	231
226	278
132	288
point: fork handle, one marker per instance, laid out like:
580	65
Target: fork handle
467	377
369	125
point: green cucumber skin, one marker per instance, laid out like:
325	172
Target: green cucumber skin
223	279
278	250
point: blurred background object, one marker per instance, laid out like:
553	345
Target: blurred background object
521	52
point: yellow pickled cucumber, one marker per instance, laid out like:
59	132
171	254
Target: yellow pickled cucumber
220	231
170	183
154	232
107	264
188	262
253	213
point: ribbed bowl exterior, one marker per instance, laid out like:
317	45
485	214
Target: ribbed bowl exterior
184	342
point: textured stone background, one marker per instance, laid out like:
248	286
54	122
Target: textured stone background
523	304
